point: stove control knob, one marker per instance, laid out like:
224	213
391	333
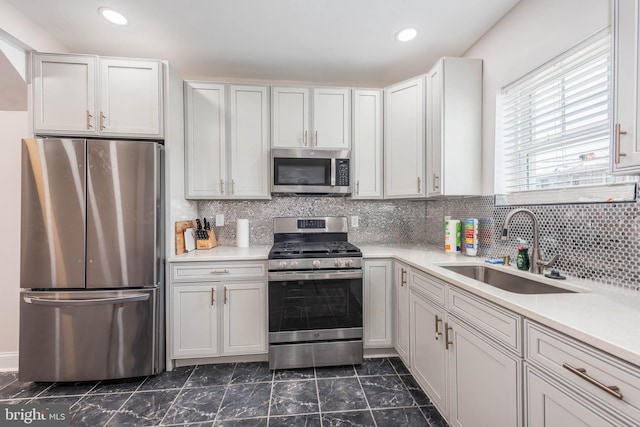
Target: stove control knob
338	263
282	264
348	263
294	264
316	263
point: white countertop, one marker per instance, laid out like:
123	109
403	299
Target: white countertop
604	316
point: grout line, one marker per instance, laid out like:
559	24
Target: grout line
123	403
366	399
178	395
226	388
315	379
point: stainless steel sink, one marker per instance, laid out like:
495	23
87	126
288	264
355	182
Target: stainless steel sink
505	280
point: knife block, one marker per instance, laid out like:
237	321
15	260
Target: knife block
209	243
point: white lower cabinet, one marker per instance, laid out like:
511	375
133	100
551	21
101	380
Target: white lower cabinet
484	380
401	286
571	383
473	379
378	303
428	353
195	320
223	314
550	404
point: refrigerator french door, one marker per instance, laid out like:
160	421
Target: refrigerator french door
91	260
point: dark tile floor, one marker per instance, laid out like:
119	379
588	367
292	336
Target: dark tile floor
380	392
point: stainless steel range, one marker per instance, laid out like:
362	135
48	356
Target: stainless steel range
315	294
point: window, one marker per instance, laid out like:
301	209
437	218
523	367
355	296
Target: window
554	127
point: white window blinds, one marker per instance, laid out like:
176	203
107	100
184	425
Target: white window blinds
553	124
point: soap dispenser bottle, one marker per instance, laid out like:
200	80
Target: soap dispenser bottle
522	261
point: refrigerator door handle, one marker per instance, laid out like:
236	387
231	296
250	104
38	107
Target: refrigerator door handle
79	302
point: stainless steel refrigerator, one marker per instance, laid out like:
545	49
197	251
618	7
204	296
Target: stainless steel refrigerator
92	260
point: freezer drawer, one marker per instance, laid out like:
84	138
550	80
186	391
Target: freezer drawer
88	335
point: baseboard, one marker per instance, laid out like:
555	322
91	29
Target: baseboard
9	361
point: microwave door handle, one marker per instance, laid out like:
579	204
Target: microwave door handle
333	171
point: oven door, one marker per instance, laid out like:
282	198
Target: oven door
315	306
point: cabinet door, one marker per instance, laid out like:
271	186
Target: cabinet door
378	304
484	382
205	157
367	144
290	108
552	405
245	318
194	320
331	113
249	147
130	98
428	353
434	131
404	140
401	280
64	95
626	142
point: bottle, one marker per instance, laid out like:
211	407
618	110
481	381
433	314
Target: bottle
471	236
522	261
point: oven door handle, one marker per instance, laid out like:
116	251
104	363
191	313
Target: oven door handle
320	275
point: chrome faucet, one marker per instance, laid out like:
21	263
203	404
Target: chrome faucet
537	264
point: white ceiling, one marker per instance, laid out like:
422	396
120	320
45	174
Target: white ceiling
347	42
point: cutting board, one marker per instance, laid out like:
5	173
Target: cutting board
180	227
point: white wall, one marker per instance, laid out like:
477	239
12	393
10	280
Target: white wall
18	31
532	33
13	127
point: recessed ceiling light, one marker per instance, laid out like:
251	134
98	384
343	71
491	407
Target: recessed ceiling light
112	16
406	34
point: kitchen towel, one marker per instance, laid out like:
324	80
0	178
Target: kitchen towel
242	233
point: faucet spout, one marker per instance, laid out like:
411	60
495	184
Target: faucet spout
537	264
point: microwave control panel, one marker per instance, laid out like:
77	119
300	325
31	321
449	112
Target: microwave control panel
342	172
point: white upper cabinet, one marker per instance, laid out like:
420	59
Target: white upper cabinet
404	139
290	117
205	141
249	142
625	153
130	97
64	94
331	111
454	128
367	144
221	163
92	96
312	118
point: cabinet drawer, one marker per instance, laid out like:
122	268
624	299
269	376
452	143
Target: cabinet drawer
213	271
555	353
494	321
430	287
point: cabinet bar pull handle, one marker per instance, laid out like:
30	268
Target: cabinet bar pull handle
89	117
403	277
316	138
102	117
617	153
233	187
225	271
225	295
358	187
438	333
436	178
213	296
305	138
419	185
222	186
582	373
447	343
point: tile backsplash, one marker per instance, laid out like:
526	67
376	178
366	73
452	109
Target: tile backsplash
597	241
383	221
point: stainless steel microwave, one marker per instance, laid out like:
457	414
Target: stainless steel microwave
305	171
